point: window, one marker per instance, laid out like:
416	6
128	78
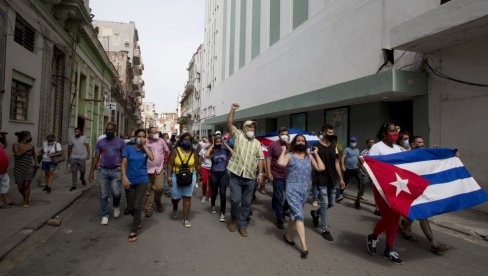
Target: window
19	101
25	34
299	120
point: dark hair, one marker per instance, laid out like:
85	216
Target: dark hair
182	136
78	128
326	127
111	124
165	134
50	136
369	139
21	135
413	138
140	130
282	129
400	136
383	129
294	142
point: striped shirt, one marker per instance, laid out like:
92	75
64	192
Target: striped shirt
247	153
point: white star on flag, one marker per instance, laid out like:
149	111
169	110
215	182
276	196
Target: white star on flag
400	184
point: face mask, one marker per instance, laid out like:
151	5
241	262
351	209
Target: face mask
139	141
186	145
29	140
405	143
284	138
218	146
155	136
77	135
50	141
132	140
392	137
250	134
300	147
331	138
354	145
321	137
110	134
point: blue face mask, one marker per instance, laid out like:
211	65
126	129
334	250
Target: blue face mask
109	134
133	140
186	145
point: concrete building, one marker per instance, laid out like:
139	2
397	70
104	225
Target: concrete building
120	41
353	64
167	122
55	75
149	115
190	119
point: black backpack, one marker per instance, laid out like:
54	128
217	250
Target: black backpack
184	177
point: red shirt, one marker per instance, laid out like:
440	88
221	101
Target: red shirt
274	152
3	161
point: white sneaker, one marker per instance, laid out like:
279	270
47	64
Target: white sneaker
187	223
196	185
104	221
204	200
315	203
222	217
116	212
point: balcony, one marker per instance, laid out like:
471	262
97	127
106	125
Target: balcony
136	60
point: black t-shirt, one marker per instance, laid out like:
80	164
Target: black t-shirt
329	156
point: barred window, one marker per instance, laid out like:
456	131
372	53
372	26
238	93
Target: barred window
19	102
25	34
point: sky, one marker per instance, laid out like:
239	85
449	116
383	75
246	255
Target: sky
170	31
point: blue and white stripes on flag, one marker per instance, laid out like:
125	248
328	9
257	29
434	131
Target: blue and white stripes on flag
451	186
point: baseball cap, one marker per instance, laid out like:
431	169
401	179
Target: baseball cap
353	139
247	123
218	133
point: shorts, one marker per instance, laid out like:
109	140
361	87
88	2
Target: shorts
182	191
48	165
4	183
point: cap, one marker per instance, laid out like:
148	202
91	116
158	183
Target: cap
247	123
218	133
353	139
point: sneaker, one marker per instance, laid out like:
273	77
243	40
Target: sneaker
159	207
116	212
204	200
222	217
315	218
326	235
72	188
339	198
148	213
243	232
392	256
196	185
174	214
372	245
357	205
83	182
377	213
213	210
187	223
104	221
233	225
315	203
280	225
441	247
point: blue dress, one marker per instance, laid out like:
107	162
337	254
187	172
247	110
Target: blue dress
298	185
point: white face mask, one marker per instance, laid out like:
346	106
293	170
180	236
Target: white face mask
139	141
250	134
321	137
354	145
284	138
405	143
155	136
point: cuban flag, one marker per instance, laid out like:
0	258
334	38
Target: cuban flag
268	138
424	182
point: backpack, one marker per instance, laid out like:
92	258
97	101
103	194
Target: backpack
184	177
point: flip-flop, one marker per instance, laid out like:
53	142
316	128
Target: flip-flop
132	237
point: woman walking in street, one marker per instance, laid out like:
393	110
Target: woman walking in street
134	178
25	164
300	164
50	149
219	153
184	161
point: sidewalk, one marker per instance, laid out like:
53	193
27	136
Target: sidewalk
470	222
17	223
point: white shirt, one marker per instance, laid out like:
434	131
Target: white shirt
381	148
50	149
206	162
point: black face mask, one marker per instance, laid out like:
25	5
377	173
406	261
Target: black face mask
218	146
29	140
300	147
110	134
77	135
331	138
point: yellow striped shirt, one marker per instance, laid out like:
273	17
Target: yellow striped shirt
247	153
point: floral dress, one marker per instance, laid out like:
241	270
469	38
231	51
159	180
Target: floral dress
298	185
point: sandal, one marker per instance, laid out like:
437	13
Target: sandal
139	226
132	237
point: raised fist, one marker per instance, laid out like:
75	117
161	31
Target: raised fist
234	106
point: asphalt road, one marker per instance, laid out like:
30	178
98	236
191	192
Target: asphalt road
81	246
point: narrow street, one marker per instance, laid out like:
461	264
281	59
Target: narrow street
81	246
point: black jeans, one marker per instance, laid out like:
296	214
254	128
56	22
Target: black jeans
279	203
135	196
219	182
354	173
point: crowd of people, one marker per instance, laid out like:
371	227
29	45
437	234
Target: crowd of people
150	164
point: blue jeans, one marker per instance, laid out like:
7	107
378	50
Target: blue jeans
327	198
110	183
279	202
241	190
315	188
